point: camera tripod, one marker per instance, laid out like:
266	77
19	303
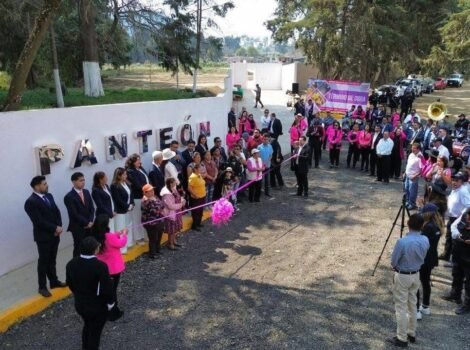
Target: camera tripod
401	212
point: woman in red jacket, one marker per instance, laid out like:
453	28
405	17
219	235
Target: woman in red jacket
365	141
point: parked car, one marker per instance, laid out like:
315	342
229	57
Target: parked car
455	80
428	85
440	83
413	84
384	89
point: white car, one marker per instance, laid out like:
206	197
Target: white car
455	80
404	84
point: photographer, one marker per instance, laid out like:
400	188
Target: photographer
461	263
407	258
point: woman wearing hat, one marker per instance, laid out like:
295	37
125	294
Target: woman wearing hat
152	209
168	168
173	205
255	168
433	228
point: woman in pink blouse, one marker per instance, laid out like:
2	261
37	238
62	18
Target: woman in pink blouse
335	136
395	118
365	141
294	132
242	122
110	252
232	138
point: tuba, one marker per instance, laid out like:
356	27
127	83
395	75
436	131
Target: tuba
437	111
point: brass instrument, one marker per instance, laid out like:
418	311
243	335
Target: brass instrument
437	111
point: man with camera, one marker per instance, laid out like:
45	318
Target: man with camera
461	263
407	258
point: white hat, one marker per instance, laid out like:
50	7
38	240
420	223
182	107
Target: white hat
156	154
254	150
168	154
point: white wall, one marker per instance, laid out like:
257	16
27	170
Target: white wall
239	73
289	75
267	75
21	131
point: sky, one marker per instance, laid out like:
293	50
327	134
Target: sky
247	18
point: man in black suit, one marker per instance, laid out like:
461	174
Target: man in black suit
156	176
275	127
47	227
232	118
373	149
80	209
91	285
218	144
301	166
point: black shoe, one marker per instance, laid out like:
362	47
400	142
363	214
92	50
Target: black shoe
257	201
411	339
378	180
462	309
305	195
154	256
178	245
452	298
44	292
115	314
195	229
171	248
397	342
201	226
58	284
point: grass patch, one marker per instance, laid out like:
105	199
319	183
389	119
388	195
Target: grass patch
43	98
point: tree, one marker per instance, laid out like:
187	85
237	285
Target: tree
92	84
25	61
212	49
252	52
174	45
241	52
231	44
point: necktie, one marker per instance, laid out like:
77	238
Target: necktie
82	197
46	201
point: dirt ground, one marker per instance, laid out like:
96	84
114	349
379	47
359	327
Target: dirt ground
287	273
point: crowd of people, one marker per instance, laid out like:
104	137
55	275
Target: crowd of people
139	204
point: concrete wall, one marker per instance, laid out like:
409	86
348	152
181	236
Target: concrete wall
22	131
289	75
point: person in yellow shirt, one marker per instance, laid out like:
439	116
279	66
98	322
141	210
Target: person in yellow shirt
197	192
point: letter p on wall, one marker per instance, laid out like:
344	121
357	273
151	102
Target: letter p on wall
46	155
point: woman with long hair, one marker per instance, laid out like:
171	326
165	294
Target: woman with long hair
152	210
335	136
250	124
123	203
102	197
174	203
110	253
242	122
211	175
294	132
202	146
365	142
197	159
232	138
137	177
433	228
441	171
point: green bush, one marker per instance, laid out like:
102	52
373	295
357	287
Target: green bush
4	80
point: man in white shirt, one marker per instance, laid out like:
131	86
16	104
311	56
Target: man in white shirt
384	151
410	117
412	173
265	120
457	202
443	151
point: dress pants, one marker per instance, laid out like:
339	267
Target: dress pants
47	262
405	288
461	279
92	329
334	156
395	167
383	168
373	161
122	221
315	145
353	152
302	182
78	236
155	233
365	153
448	243
266	180
275	174
196	214
254	191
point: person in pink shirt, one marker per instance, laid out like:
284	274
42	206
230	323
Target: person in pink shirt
303	124
359	113
335	136
395	119
232	138
110	253
294	132
250	124
353	151
365	141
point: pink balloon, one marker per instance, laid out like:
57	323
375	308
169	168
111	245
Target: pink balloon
222	211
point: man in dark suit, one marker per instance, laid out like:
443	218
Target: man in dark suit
218	144
91	285
47	227
275	126
232	118
301	166
373	149
188	153
156	176
80	209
